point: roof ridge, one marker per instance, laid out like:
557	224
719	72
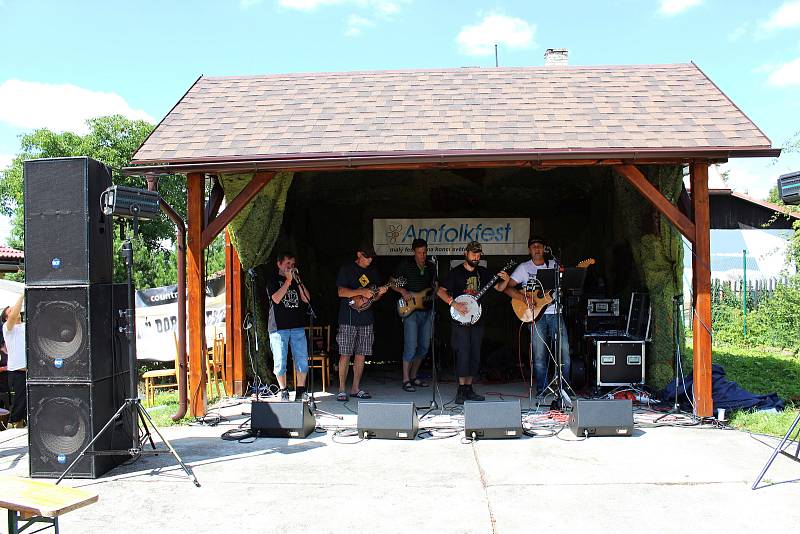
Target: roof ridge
557	68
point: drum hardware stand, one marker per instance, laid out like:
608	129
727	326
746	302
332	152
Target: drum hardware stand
133	405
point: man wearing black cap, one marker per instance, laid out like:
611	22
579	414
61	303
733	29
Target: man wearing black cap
546	327
467	278
356	334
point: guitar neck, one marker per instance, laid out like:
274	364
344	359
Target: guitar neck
485	288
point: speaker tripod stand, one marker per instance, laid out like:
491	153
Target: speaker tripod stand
132	409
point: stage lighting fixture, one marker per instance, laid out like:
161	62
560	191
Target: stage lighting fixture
130	202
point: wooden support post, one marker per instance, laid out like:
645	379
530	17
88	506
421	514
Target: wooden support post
701	283
218	223
235	369
195	269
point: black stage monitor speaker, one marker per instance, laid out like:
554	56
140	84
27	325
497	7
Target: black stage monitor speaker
72	332
492	419
387	420
282	419
66	234
602	417
63	418
789	188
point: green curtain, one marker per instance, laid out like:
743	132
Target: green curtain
658	254
255	229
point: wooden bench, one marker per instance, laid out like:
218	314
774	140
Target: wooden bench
33	501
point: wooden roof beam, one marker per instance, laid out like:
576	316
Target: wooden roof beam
658	200
218	223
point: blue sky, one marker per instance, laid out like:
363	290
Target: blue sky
64	61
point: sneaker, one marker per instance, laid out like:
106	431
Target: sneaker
460	395
284	394
304	397
470	395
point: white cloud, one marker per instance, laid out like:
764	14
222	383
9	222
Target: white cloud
479	39
739	32
786	75
356	24
786	16
59	107
675	7
382	7
5	159
246	4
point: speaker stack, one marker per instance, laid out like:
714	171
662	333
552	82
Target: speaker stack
77	363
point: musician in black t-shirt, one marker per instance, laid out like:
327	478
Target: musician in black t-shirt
467	278
286	325
358	279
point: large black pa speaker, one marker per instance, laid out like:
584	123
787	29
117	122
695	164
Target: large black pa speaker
282	419
602	417
63	418
387	420
492	419
67	236
72	333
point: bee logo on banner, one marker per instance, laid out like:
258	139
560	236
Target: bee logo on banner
449	237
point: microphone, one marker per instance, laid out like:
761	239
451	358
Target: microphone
548	250
296	276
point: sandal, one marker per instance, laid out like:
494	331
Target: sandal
419	383
342	396
361	394
408	386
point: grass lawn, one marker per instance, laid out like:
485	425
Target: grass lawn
761	371
166	404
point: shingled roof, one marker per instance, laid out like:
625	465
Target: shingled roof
531	113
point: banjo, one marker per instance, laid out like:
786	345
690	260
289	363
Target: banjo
473	307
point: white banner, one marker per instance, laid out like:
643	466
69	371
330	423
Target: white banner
157	319
449	237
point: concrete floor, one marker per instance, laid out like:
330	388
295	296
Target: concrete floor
667	479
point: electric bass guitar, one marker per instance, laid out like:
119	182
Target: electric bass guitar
473	307
419	300
536	300
359	303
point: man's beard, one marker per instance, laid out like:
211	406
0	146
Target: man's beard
473	263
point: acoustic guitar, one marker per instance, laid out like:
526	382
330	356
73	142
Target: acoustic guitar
359	303
473	306
419	300
536	300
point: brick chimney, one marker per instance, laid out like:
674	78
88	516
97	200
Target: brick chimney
556	57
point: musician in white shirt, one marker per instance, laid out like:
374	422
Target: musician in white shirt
14	334
546	327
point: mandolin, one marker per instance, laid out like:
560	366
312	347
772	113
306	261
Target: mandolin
537	300
473	306
360	303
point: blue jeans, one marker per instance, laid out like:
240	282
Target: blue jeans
545	332
416	335
280	342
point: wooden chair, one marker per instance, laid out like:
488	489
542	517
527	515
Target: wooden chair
150	377
215	367
320	338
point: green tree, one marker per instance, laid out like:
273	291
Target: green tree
113	141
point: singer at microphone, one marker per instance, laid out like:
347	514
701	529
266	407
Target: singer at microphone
288	300
547	324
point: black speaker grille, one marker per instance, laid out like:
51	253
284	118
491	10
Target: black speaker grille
63	419
64	223
71	331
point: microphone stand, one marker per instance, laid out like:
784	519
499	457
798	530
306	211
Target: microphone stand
312	401
434	378
558	380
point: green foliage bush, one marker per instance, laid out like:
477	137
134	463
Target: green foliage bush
774	322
